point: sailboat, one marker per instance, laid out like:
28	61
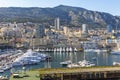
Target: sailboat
71	65
63	49
67	49
75	49
85	63
70	49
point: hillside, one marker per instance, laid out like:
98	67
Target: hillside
72	16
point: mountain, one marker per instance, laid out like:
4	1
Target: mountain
71	16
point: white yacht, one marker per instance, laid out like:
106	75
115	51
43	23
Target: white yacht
1	70
60	49
66	62
63	49
99	51
55	49
83	63
37	49
88	50
86	63
116	63
6	67
73	65
75	49
70	49
95	50
67	49
30	57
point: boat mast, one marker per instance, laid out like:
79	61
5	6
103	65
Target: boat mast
84	49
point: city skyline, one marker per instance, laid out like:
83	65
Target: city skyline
108	6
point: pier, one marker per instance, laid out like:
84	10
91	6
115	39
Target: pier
7	58
88	73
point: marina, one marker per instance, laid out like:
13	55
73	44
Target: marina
30	57
101	59
14	58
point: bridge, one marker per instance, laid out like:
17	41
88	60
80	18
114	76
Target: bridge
87	73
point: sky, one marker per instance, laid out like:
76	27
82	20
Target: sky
109	6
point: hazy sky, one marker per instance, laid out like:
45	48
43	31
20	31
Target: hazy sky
110	6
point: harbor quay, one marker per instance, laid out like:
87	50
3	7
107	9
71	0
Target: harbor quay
88	73
85	73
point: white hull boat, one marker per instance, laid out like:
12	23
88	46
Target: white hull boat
85	63
66	62
116	63
30	57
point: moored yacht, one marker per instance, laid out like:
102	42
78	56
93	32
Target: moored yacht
65	63
86	63
63	49
75	49
73	65
116	63
30	57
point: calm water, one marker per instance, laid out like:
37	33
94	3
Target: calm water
102	59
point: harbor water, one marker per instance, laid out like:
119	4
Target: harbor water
99	59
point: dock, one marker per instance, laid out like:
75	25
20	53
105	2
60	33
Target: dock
7	58
87	73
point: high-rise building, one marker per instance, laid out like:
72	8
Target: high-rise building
57	23
40	31
109	29
84	28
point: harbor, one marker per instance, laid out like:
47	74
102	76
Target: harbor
59	40
14	58
99	59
